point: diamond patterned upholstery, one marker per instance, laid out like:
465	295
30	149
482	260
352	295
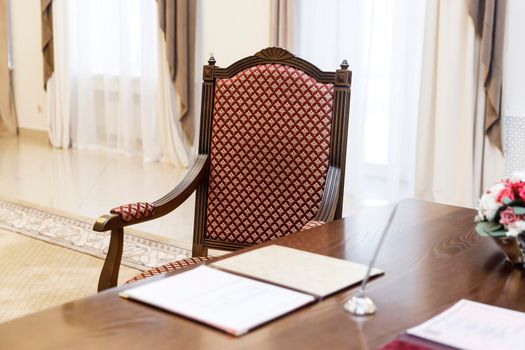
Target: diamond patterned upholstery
270	148
179	264
134	212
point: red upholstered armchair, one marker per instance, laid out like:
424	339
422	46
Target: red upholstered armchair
271	158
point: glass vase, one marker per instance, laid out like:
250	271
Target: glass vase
514	249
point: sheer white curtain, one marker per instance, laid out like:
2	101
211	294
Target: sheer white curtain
58	86
382	41
109	90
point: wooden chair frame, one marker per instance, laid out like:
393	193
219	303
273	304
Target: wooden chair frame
197	177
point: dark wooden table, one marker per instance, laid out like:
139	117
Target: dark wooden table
432	258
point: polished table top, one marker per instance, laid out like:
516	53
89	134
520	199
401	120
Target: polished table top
432	258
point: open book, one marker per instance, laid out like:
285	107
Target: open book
223	300
278	280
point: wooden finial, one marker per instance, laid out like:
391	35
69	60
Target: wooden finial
344	65
211	60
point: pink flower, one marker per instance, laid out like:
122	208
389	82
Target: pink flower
517	185
521	193
506	192
507	216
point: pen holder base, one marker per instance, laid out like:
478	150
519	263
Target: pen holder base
360	305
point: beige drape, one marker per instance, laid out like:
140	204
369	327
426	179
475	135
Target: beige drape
7	107
177	21
489	21
47	38
453	161
174	149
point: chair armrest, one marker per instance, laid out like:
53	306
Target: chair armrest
165	204
330	195
115	223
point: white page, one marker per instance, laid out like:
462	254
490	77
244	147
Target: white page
232	303
308	272
472	325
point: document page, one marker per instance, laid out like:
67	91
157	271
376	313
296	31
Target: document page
231	303
472	325
308	272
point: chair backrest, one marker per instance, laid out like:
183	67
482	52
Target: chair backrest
274	129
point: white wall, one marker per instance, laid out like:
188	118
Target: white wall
30	97
232	29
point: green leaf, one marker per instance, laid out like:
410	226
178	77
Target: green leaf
499	233
481	230
519	210
517	202
489	228
506	200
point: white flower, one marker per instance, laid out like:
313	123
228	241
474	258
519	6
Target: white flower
515	228
488	204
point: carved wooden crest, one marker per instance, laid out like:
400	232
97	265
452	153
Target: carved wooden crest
274	54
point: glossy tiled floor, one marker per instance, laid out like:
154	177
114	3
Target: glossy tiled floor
90	183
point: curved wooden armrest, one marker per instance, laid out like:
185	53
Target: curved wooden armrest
109	275
167	203
330	195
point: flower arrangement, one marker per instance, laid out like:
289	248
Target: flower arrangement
501	211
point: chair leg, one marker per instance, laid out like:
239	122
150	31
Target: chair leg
109	275
199	250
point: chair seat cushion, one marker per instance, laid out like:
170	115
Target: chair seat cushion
172	266
311	224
